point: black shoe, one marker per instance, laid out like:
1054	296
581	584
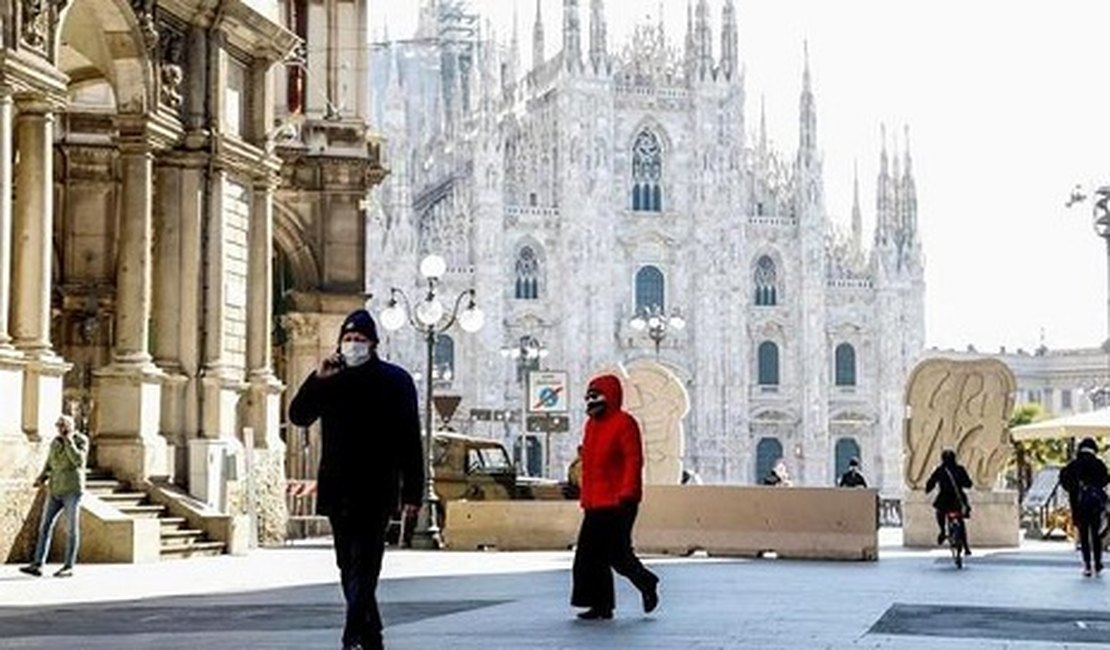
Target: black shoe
650	597
940	538
593	614
64	572
967	551
31	570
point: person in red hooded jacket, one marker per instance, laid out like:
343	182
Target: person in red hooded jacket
612	484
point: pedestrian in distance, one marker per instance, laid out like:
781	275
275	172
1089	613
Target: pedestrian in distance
952	479
1085	479
852	477
64	476
778	476
372	455
612	486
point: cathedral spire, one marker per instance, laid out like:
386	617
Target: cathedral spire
883	198
572	36
729	41
703	41
857	217
763	124
807	115
537	38
690	63
514	50
909	195
598	49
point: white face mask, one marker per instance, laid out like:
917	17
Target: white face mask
355	353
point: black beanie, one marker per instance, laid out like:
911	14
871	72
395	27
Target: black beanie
360	321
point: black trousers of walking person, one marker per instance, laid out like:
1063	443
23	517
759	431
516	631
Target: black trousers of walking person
359	547
1089	541
604	546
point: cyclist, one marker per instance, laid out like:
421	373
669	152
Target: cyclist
952	479
1085	479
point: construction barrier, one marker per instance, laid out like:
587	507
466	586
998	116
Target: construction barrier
813	523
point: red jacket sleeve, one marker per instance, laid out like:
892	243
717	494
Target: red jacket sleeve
632	452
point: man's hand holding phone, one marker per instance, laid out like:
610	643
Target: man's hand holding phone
330	365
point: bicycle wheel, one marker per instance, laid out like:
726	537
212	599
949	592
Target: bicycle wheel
956	542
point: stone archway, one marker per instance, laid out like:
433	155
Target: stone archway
102	50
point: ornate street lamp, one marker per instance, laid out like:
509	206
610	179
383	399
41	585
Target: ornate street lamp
1099	392
431	319
657	323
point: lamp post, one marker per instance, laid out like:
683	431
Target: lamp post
657	323
430	319
1100	212
527	353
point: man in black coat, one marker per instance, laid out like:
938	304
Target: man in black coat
852	477
1085	479
952	479
371	456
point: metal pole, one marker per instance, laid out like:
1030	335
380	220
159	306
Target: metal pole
427	533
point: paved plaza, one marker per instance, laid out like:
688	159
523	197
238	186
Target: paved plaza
1033	597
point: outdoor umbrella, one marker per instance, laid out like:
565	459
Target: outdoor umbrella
1095	424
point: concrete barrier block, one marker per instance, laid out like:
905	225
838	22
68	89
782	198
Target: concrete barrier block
512	525
994	519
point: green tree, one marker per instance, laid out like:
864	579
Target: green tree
1030	456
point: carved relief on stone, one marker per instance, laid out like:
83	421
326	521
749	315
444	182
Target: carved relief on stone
171	57
302	326
963	406
39	23
658	400
144	14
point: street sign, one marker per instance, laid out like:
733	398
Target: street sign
547	391
545	423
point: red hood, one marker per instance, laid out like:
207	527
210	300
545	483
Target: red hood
610	387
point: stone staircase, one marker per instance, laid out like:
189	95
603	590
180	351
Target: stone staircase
177	540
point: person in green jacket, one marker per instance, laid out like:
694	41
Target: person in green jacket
64	472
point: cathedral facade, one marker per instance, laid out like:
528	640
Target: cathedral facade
600	184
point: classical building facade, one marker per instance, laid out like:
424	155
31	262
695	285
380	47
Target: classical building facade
1063	381
157	159
585	188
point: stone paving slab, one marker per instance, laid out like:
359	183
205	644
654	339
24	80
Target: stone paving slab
289	598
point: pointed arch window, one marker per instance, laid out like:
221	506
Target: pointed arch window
647	173
649	289
767	452
845	365
527	270
766	282
443	358
768	363
846	450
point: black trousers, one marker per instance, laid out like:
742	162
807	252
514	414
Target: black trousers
359	546
604	546
1089	541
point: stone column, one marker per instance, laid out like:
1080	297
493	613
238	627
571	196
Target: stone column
128	391
32	264
222	381
264	410
11	374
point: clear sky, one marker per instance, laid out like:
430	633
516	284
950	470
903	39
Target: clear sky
1008	105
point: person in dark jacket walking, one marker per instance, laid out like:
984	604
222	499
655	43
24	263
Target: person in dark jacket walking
612	485
1085	479
372	455
852	477
952	479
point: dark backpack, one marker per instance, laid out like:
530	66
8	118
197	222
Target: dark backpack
1091	500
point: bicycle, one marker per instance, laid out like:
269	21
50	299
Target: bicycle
954	523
